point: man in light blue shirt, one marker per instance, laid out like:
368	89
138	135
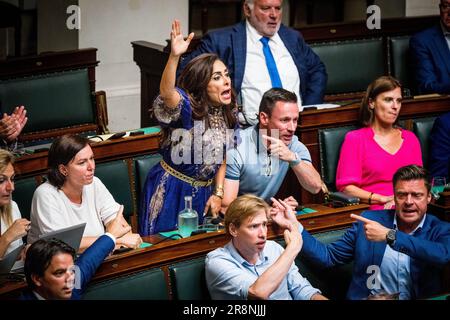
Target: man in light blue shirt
252	267
259	164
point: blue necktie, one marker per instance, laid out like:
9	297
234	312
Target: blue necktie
270	62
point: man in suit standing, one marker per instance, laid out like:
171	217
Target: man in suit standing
261	54
430	51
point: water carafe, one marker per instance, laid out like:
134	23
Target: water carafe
187	218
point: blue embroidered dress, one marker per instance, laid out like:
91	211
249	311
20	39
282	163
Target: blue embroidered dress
190	151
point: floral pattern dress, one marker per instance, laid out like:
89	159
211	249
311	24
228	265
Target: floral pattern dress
191	151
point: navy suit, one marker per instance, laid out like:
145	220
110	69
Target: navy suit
431	59
440	147
429	249
230	44
87	264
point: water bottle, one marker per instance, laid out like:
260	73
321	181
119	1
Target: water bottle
187	218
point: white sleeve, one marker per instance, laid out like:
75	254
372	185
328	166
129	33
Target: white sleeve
105	204
48	212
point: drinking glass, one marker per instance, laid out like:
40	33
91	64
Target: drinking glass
437	186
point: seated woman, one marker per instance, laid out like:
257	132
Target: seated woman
13	227
73	195
371	155
195	117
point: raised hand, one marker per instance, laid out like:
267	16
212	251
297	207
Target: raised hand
279	149
374	231
291	202
178	44
11	125
293	238
282	214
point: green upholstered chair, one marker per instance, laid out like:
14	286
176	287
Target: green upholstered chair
115	176
333	282
330	142
188	281
142	166
399	61
351	65
54	101
422	129
23	194
146	285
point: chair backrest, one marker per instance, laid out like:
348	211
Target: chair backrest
333	282
142	166
145	285
422	129
399	61
116	177
23	194
53	101
351	65
330	142
188	280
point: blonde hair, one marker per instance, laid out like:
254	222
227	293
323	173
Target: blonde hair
243	207
6	158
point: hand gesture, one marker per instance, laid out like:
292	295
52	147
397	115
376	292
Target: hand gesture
279	149
293	238
282	214
17	230
291	202
214	203
374	231
118	227
11	125
178	44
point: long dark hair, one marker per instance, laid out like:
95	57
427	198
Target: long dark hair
194	80
378	86
62	151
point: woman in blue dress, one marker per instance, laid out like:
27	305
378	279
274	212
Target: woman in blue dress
196	115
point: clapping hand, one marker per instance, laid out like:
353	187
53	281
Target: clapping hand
11	125
374	231
178	44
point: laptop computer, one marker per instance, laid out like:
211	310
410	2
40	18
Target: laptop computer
70	235
8	260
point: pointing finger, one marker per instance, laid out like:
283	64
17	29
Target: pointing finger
362	219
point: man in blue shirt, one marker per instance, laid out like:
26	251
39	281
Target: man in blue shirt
259	164
394	251
252	267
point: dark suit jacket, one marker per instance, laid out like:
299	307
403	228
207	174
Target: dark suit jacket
87	264
230	44
431	59
429	249
440	147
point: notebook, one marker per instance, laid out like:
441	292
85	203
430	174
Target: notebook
8	260
70	235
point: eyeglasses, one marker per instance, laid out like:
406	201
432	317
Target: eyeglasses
445	7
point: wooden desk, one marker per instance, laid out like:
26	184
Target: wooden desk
30	165
311	121
441	207
168	252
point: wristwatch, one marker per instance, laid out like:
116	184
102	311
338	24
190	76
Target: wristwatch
391	236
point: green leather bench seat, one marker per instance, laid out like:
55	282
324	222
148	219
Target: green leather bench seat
351	65
422	129
142	167
333	282
399	61
116	178
23	194
187	280
54	100
145	285
330	142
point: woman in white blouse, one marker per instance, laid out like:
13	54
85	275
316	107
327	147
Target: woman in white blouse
13	227
73	195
